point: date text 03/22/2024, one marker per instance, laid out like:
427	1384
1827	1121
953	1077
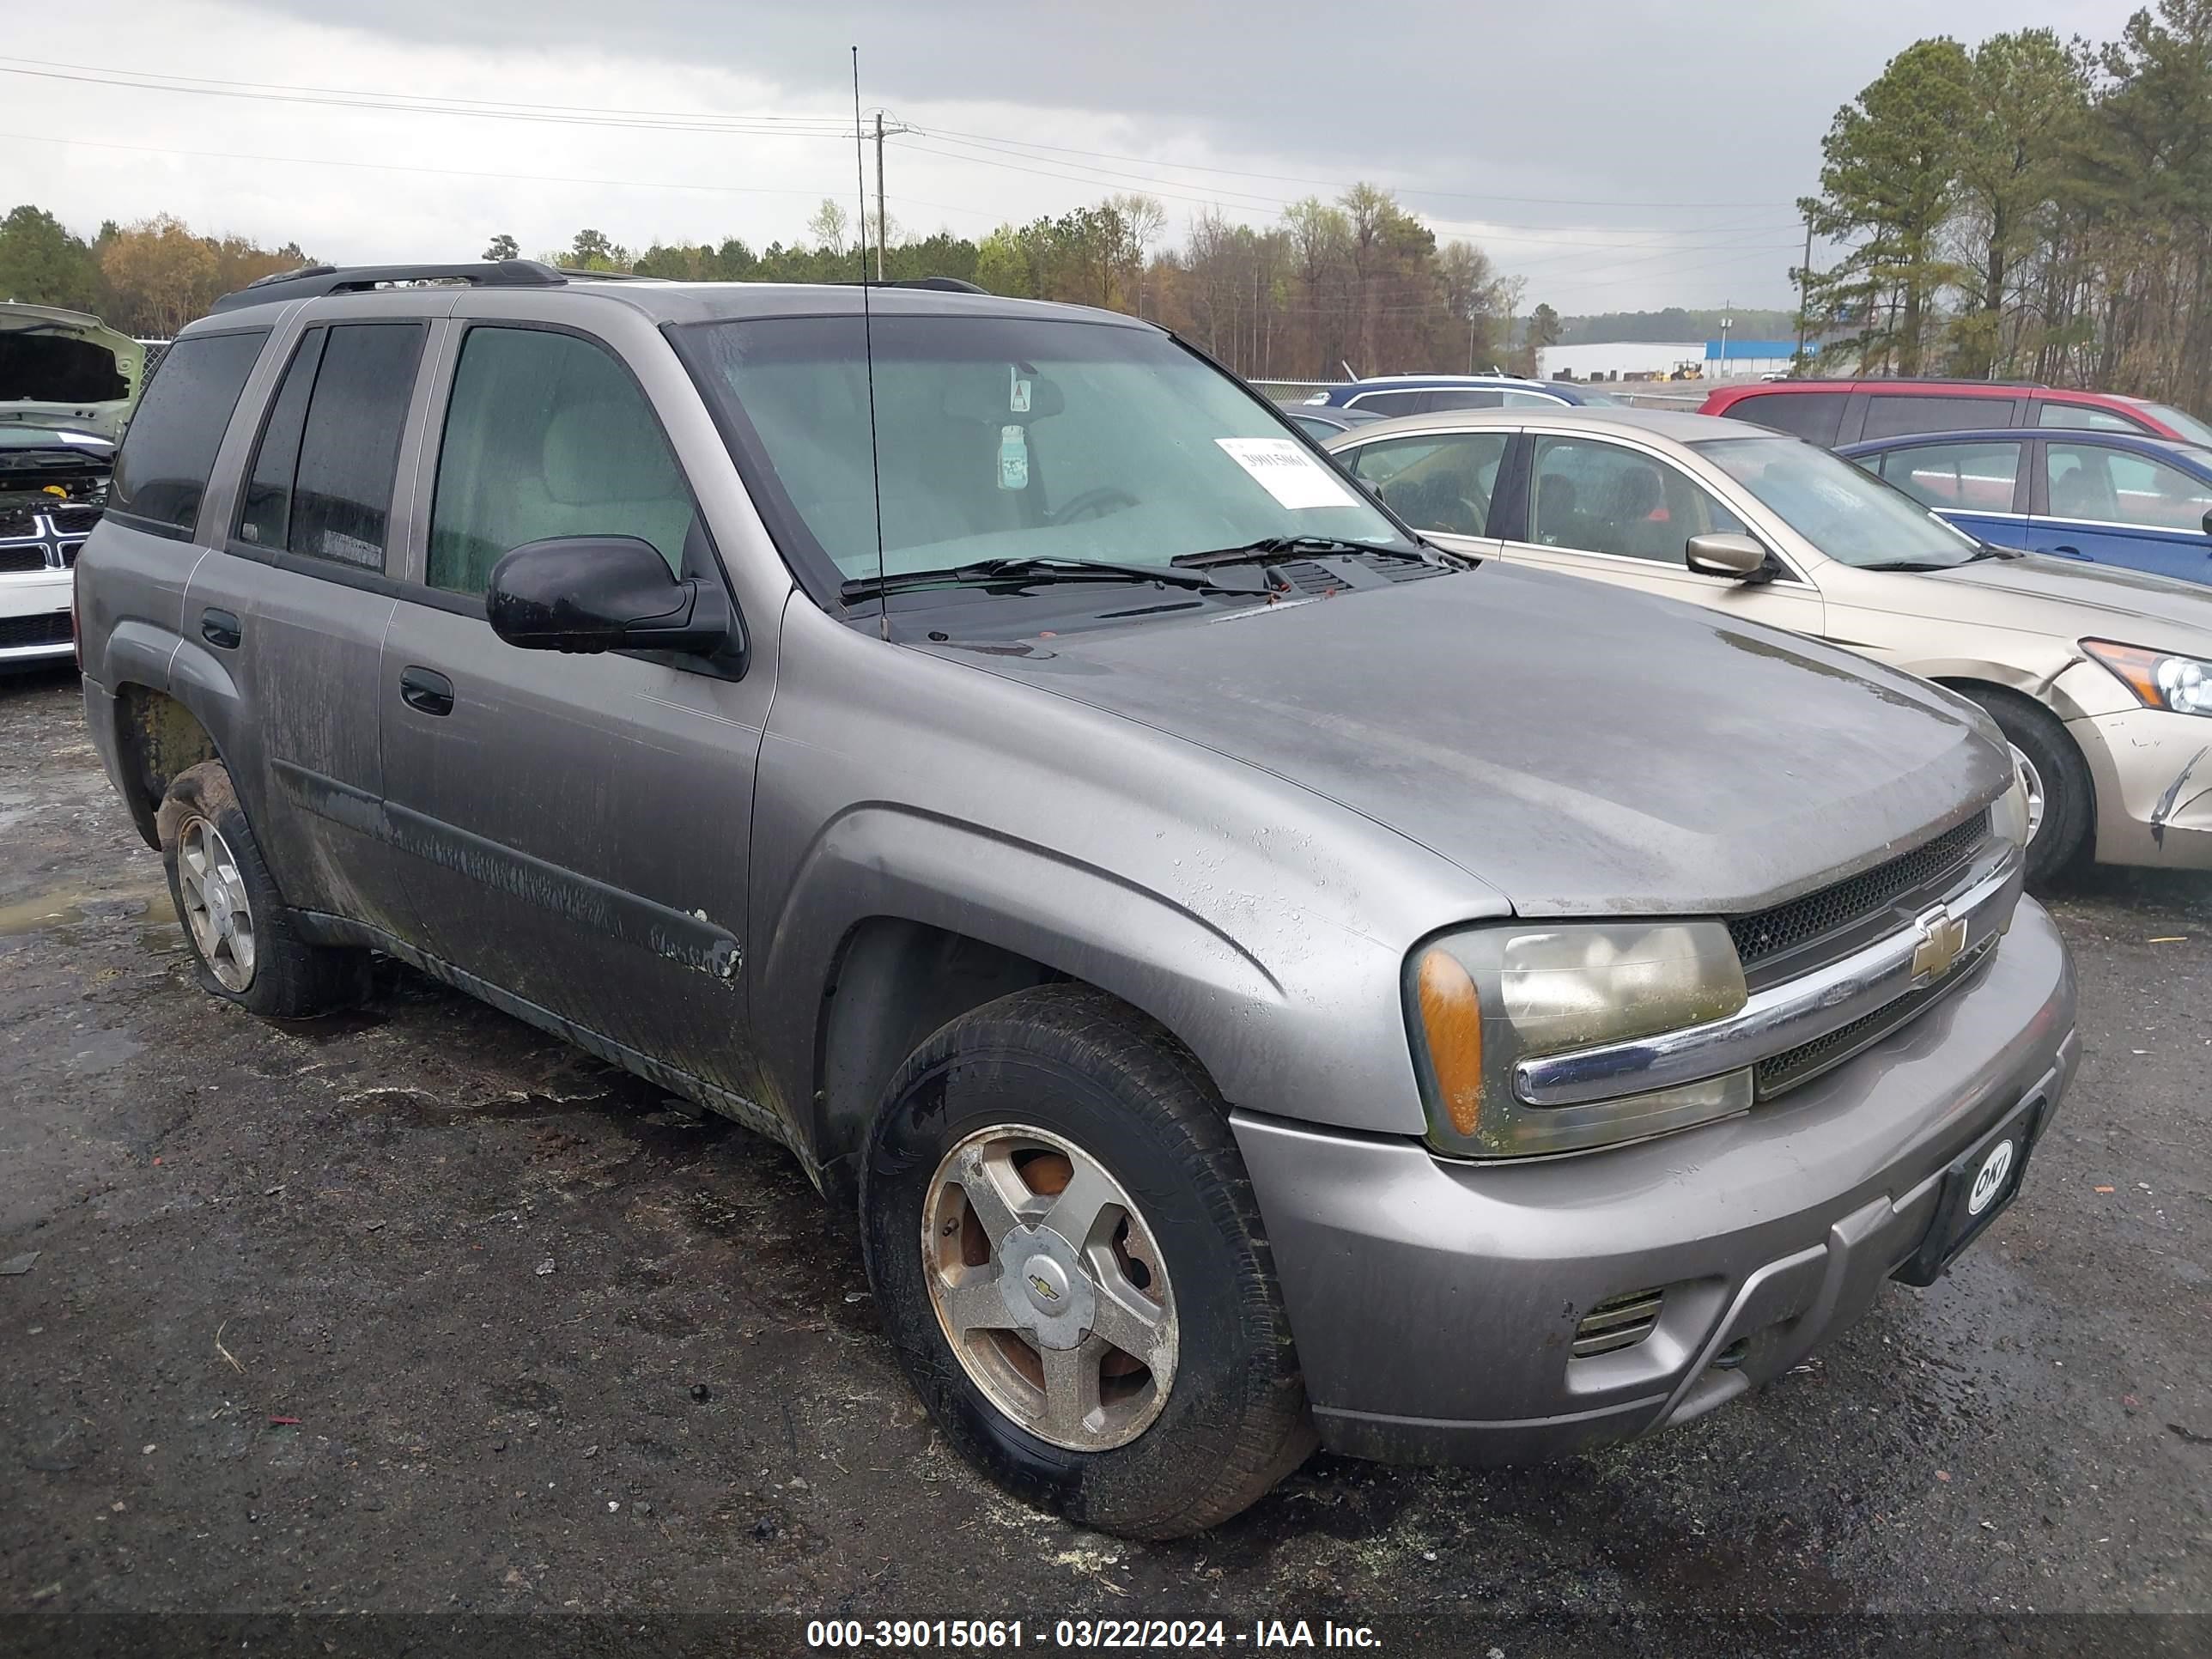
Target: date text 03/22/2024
987	1634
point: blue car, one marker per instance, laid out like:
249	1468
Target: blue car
1421	394
2106	497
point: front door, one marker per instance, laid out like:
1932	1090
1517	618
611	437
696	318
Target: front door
2117	505
1597	508
577	824
1978	484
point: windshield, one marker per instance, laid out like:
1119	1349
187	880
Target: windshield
2187	425
1848	515
1009	438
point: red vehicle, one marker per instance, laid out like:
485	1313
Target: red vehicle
1833	412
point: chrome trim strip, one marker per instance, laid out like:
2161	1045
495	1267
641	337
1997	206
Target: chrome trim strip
1777	1019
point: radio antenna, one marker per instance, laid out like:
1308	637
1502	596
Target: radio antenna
868	351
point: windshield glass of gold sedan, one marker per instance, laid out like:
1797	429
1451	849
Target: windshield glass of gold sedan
1848	513
1009	438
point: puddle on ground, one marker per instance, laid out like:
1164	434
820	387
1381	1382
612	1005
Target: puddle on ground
66	907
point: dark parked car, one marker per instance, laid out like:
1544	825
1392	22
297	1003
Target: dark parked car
1837	412
2108	497
1421	394
1322	424
1261	980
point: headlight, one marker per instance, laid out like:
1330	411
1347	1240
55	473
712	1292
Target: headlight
2182	684
1480	1002
2011	816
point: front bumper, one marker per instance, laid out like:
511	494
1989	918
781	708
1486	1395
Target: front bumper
2153	776
1435	1303
28	599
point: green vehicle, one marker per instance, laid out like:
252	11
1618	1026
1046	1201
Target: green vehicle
67	369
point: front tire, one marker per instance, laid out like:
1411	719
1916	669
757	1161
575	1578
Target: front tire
1066	1253
2069	794
244	940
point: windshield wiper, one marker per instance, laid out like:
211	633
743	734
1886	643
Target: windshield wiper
1278	547
1911	564
1033	572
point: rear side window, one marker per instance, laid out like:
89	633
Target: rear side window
1814	415
321	484
1890	415
1956	478
170	450
548	435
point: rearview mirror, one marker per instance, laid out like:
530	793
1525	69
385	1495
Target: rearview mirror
604	593
1721	553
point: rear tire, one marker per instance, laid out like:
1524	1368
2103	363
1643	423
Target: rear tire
2070	795
244	940
1065	1092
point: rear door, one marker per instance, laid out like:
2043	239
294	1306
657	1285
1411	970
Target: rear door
1898	413
2119	506
298	596
577	825
1605	509
1980	485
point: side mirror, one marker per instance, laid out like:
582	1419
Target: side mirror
2207	520
1724	554
604	593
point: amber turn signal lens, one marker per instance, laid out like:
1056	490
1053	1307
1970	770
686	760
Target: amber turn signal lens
1451	1017
2137	667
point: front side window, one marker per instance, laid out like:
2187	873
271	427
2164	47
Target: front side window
1958	478
2118	486
1843	511
1006	437
320	484
169	451
547	436
1598	498
1444	481
2084	417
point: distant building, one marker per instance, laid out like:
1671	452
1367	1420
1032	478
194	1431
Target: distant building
1750	357
1621	359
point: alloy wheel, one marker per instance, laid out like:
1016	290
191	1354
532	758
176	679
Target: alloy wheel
1050	1287
216	908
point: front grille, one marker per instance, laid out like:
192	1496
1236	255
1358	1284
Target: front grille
73	520
22	558
16	631
69	553
1786	1070
1618	1323
1770	933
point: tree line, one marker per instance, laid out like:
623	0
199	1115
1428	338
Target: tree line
147	279
2027	208
1355	282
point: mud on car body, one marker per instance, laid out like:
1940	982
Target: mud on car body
1262	980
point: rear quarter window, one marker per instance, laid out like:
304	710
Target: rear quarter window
170	449
1814	415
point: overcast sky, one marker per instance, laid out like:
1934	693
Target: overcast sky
1618	153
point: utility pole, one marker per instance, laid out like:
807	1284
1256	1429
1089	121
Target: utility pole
883	234
1720	373
1804	292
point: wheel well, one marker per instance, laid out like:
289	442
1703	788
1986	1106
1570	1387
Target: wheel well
156	739
894	984
1978	690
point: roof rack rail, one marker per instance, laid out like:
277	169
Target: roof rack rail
935	285
313	282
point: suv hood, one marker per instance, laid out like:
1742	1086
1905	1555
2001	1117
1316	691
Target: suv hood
2074	600
1582	750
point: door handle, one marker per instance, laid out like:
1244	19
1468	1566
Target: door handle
221	629
426	691
2070	552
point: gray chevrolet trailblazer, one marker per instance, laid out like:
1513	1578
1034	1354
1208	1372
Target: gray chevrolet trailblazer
1261	978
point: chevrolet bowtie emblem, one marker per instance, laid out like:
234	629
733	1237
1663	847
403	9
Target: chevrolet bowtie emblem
1943	938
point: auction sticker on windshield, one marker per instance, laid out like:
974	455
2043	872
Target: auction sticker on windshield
1285	472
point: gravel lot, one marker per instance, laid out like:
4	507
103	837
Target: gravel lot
414	1311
